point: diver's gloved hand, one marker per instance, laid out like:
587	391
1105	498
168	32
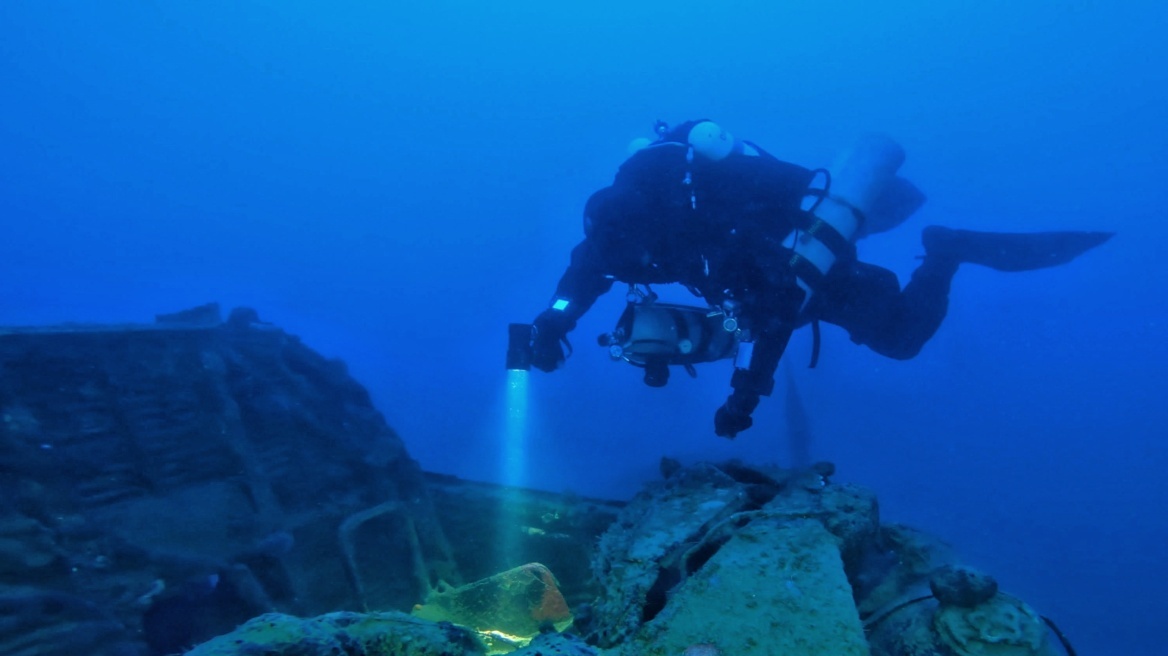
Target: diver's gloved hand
728	424
734	415
547	346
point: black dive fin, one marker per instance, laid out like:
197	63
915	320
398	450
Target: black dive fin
1010	251
899	200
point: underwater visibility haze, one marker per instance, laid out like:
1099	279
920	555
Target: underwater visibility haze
395	185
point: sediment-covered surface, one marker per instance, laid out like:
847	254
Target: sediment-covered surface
161	483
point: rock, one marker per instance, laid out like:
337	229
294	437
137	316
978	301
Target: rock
138	453
203	315
275	634
1001	626
517	603
776	587
824	468
500	527
242	318
671	540
897	560
556	644
650	547
960	586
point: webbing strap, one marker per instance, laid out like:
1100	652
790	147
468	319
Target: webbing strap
806	271
835	242
814	344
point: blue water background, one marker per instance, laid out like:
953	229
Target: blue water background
395	185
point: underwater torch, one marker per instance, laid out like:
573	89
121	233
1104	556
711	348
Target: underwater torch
519	350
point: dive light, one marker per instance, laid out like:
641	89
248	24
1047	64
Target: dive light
519	349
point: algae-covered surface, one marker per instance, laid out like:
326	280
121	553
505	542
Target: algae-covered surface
371	634
716	560
775	587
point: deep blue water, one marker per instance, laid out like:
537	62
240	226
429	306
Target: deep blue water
397	185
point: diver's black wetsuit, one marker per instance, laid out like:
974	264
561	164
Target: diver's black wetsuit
718	228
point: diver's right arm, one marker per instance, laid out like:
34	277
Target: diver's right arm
579	287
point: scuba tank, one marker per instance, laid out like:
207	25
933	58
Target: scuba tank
854	185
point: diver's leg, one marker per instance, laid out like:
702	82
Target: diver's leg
922	306
867	301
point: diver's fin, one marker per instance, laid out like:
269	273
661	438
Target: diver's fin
1009	251
898	201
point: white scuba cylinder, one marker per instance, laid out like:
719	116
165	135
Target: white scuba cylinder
858	177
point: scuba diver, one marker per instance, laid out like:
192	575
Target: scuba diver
769	246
